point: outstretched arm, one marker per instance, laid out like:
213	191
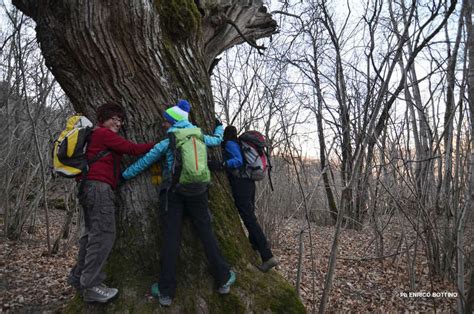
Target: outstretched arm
118	144
146	161
216	138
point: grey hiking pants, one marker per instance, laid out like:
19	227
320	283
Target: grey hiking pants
97	233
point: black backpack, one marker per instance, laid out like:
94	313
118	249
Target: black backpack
257	164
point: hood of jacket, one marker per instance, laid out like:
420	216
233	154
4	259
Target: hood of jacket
183	124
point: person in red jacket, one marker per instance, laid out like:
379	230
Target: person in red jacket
96	196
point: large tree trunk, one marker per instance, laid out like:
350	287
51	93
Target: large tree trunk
145	55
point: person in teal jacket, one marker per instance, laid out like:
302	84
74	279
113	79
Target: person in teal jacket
173	205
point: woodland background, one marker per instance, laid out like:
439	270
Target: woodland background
367	108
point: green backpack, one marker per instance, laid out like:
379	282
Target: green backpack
189	172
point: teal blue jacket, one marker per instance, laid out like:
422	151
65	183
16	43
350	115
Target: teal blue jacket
162	148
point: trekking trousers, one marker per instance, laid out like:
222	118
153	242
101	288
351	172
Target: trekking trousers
171	219
243	191
97	200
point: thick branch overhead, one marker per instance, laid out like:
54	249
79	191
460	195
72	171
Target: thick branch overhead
230	23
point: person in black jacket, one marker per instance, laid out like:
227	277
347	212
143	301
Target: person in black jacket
243	191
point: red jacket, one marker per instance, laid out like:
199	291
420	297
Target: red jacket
103	169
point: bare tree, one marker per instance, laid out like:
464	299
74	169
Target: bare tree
27	122
469	304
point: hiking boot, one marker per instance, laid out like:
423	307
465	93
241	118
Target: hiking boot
164	300
267	265
74	282
100	293
225	289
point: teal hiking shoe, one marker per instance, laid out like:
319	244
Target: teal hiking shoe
164	300
225	289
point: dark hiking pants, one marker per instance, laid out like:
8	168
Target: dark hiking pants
171	219
243	191
97	233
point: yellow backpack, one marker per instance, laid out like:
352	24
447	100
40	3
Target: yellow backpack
69	150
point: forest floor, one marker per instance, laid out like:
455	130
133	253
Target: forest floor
30	281
362	282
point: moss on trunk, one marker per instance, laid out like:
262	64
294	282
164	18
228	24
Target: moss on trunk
180	19
133	267
253	292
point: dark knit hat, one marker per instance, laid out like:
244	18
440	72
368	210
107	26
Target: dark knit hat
178	112
108	110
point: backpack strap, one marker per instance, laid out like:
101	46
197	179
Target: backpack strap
269	169
116	167
99	156
176	160
171	180
242	170
85	172
94	159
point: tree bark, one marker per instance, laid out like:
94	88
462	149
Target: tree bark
145	55
318	110
344	113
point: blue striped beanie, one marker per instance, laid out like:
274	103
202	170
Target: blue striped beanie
178	112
